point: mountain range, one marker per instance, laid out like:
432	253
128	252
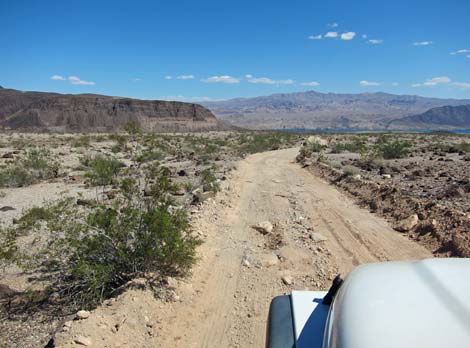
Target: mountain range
41	111
314	110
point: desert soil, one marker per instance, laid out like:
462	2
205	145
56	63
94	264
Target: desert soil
318	232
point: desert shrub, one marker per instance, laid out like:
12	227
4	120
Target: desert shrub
265	141
389	149
209	180
102	170
350	170
355	147
465	147
35	165
8	247
148	156
89	252
132	128
82	141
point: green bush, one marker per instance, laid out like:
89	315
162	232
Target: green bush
354	147
209	181
102	170
393	149
34	166
148	156
82	141
90	251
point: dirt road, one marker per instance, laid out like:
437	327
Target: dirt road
225	303
241	269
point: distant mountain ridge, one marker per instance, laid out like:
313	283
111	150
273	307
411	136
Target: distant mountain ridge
41	111
324	110
437	118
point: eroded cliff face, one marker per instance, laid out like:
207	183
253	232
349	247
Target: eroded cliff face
37	111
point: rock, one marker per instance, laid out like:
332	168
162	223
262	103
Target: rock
317	237
6	208
264	227
357	176
199	196
317	140
180	192
182	172
408	223
82	340
386	176
82	314
270	260
8	155
246	263
287	280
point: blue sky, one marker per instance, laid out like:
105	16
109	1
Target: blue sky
197	50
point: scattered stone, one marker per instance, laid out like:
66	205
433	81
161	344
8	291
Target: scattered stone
6	208
84	341
386	176
246	263
182	172
199	196
287	280
8	155
82	314
318	237
357	176
408	223
264	227
270	260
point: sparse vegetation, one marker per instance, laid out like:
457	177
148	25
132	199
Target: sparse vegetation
392	149
209	180
89	252
103	170
33	166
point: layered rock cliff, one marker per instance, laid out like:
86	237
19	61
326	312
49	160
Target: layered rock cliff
39	111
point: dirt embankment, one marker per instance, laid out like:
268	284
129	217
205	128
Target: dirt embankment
442	229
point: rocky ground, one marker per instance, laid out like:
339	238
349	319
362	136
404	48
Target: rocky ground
186	155
273	227
424	195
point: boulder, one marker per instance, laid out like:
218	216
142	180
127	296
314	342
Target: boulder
407	224
264	227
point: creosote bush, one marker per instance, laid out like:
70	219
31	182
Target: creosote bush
102	170
89	251
209	180
388	149
33	166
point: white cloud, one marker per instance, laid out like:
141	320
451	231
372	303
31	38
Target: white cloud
268	81
369	83
315	37
461	85
222	79
375	41
468	56
395	84
310	84
249	76
57	78
348	36
459	52
185	77
422	43
136	79
333	25
433	82
168	77
75	80
187	99
331	34
364	36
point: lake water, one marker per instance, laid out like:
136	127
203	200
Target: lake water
339	130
